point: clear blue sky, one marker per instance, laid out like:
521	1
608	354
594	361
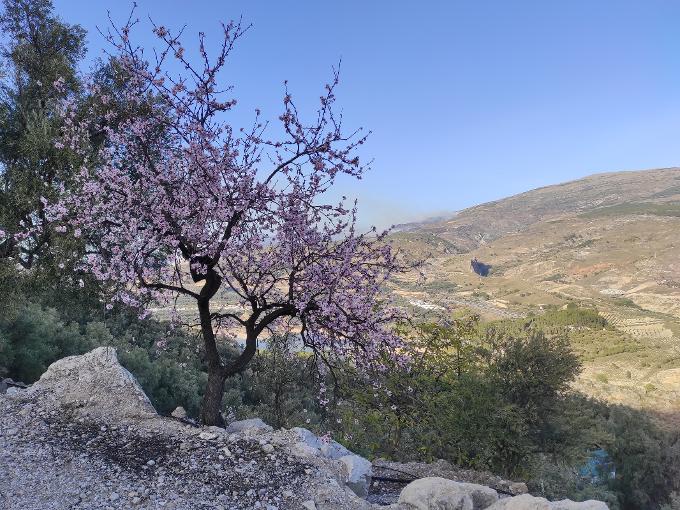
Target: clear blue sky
468	101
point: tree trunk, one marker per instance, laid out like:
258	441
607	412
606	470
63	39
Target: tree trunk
211	404
217	372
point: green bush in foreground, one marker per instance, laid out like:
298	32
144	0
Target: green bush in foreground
490	406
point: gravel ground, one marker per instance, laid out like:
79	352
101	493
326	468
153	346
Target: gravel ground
51	462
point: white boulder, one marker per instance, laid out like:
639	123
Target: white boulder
567	504
252	425
358	473
434	493
328	449
179	413
96	385
528	502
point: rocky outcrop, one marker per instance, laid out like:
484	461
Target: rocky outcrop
326	448
179	413
357	471
95	386
86	436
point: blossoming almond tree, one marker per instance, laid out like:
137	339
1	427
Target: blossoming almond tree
177	195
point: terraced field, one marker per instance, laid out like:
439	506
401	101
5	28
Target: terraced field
640	326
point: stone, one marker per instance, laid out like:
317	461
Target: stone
528	502
207	436
358	473
517	488
457	501
179	413
334	450
267	448
440	493
252	425
18	384
567	504
522	502
332	496
328	449
308	505
303	450
95	384
511	488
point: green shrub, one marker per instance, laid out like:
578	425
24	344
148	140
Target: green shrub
36	337
488	406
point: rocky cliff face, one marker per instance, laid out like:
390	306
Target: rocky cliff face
86	436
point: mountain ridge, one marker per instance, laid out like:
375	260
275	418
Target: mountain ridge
465	229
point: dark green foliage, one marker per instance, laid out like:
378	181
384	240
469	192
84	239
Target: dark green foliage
627	303
534	369
647	459
164	360
40	49
488	405
574	315
504	404
281	386
36	337
168	382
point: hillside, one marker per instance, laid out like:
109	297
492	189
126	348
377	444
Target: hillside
481	224
608	241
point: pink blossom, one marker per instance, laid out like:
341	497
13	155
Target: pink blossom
178	197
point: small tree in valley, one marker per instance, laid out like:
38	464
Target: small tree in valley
179	203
